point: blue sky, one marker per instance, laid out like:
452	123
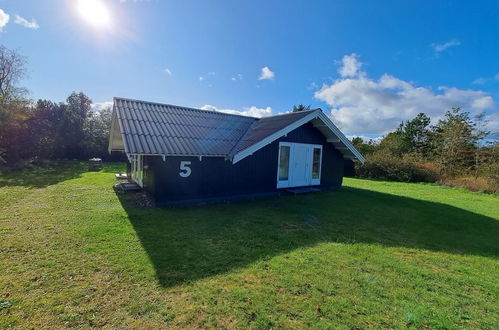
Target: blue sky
370	64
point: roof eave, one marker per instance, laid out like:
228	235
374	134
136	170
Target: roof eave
343	139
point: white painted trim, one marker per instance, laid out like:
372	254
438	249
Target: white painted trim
316	182
284	183
115	122
137	171
122	131
271	138
341	136
109	148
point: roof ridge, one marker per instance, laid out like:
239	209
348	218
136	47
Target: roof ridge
212	111
248	130
183	107
292	113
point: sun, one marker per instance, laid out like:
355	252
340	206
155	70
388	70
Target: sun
95	13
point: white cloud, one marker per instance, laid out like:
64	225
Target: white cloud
350	66
251	111
479	81
362	105
4	19
482	80
98	106
438	48
237	77
201	78
27	24
493	123
168	72
313	85
266	73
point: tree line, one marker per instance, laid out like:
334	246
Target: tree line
453	150
32	131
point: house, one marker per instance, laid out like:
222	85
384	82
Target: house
181	154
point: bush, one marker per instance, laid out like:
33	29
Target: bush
474	183
382	165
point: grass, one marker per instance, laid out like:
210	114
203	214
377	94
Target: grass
374	254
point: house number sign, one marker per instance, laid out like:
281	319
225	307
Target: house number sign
185	170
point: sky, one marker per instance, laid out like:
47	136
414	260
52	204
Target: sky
367	64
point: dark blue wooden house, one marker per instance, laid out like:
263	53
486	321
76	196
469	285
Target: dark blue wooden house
180	154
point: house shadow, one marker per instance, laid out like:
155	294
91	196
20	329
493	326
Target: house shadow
52	173
43	176
191	243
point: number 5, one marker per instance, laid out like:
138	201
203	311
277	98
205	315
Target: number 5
185	170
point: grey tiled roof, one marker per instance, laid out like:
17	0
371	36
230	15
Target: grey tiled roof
266	126
153	128
163	129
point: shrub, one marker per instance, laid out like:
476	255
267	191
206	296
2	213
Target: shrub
474	183
382	165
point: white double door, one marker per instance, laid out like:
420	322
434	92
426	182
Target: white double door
299	165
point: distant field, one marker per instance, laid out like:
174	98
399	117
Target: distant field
371	255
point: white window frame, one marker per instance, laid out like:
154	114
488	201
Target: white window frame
138	169
284	183
289	183
317	181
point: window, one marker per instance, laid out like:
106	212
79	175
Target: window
284	163
316	164
137	169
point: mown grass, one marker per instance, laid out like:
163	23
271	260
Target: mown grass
377	254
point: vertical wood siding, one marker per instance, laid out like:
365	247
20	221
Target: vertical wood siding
214	177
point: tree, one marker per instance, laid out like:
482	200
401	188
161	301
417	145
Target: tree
455	139
44	126
71	129
415	134
97	128
46	129
12	70
394	143
14	108
365	148
410	137
300	107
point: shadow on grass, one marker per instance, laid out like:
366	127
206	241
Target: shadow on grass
43	176
53	173
187	244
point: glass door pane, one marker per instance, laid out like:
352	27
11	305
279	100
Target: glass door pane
284	163
316	164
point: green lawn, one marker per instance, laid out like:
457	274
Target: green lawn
373	254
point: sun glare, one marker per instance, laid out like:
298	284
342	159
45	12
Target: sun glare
95	13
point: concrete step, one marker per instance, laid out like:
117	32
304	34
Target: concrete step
302	190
